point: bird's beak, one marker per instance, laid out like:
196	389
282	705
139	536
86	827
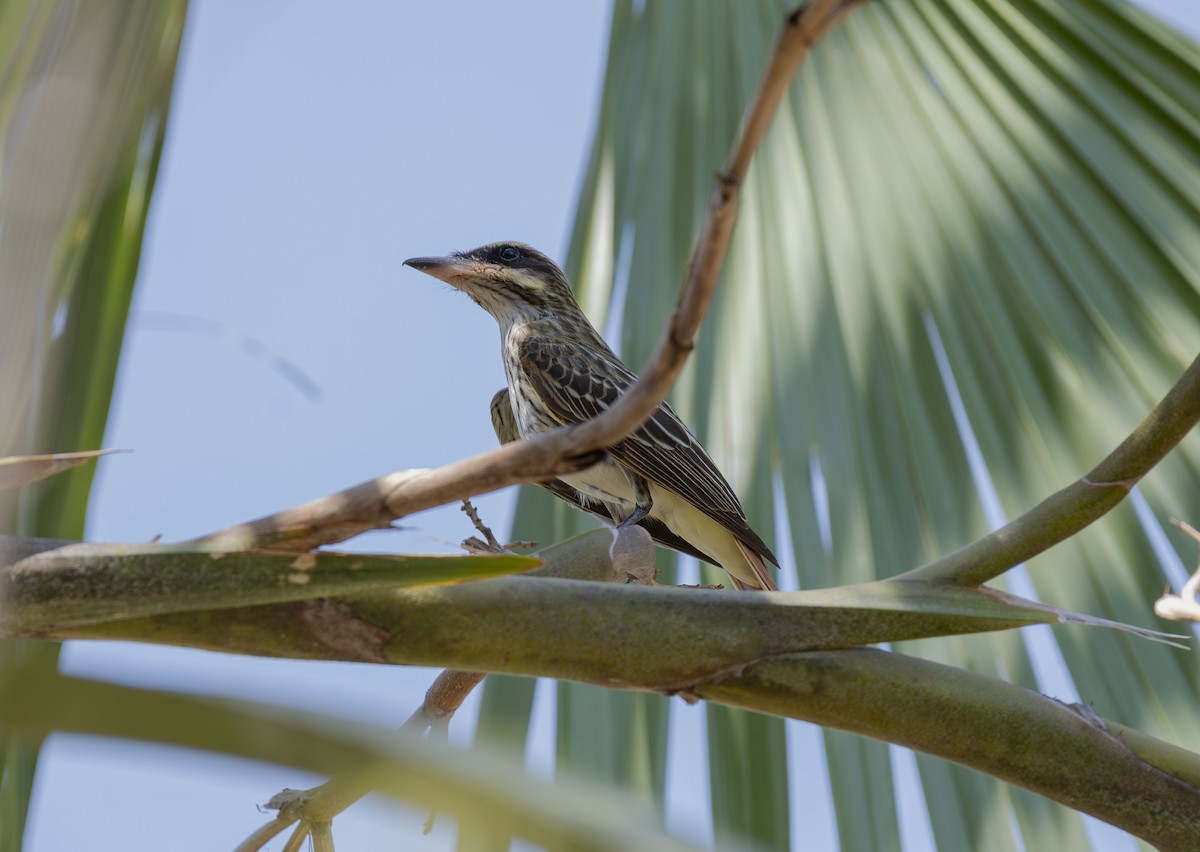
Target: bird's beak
451	269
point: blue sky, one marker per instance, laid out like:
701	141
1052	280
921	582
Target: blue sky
312	148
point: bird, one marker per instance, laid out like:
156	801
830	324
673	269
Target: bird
560	371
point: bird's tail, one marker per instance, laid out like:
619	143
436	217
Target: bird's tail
762	574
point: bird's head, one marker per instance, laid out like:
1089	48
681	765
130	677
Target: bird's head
511	281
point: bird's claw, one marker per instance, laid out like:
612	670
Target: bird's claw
637	515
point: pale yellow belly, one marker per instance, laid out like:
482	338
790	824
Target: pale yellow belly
605	482
608	483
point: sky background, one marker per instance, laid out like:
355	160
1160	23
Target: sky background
312	148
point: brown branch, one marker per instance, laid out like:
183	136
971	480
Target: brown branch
376	504
802	29
442	701
489	544
318	805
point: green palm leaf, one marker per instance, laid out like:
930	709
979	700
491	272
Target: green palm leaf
1014	183
83	102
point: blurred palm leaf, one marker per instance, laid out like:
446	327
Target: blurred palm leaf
1014	184
84	92
476	789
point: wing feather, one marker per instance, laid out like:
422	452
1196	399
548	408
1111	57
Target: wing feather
573	384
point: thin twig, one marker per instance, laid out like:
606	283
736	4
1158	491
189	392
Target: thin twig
313	810
378	503
317	806
1186	527
491	545
442	701
259	838
322	836
296	841
802	29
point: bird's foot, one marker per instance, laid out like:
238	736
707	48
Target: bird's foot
638	513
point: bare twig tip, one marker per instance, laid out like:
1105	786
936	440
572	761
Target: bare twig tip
492	544
1186	527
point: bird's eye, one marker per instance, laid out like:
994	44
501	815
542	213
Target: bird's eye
509	253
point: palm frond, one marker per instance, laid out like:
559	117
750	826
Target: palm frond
1014	184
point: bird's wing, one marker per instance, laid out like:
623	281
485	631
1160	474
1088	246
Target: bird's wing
573	384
